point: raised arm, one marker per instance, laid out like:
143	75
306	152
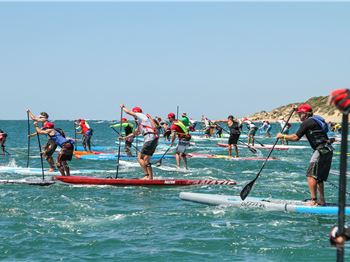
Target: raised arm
33	117
42	131
129	112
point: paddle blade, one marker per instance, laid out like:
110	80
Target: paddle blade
246	190
253	150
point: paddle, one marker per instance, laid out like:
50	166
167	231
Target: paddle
253	150
246	190
28	132
120	131
159	161
342	183
41	156
177	112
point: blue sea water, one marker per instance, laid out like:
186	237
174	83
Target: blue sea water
103	223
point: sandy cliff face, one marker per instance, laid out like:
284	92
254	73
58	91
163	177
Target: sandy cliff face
319	105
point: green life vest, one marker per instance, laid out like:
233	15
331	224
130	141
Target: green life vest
184	129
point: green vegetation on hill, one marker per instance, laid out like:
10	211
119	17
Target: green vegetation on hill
319	105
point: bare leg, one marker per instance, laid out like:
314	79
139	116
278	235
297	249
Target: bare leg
178	159
253	140
128	150
185	160
89	143
140	159
320	187
229	150
60	167
51	163
84	142
66	168
312	183
146	166
236	149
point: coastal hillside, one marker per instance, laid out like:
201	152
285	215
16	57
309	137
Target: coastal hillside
319	104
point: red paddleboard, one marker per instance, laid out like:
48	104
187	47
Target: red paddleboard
84	180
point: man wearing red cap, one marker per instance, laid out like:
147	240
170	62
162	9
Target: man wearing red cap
3	137
87	133
180	130
315	129
150	137
128	129
50	147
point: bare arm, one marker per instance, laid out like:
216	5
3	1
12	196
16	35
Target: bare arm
173	136
43	131
292	137
33	117
223	121
129	112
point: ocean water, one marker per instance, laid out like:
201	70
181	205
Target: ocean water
104	223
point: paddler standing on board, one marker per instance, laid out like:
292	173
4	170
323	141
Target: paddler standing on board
3	137
150	138
166	130
128	129
252	130
315	129
50	147
180	131
87	133
234	127
282	122
66	145
185	120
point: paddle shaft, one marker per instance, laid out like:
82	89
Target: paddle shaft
120	131
342	183
28	133
41	157
161	158
75	134
246	190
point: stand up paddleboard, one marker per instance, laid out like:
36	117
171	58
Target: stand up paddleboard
277	147
262	203
197	155
114	157
83	180
34	182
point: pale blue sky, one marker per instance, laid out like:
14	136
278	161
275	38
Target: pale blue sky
84	59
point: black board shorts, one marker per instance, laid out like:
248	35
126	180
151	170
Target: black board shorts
320	164
149	147
233	139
